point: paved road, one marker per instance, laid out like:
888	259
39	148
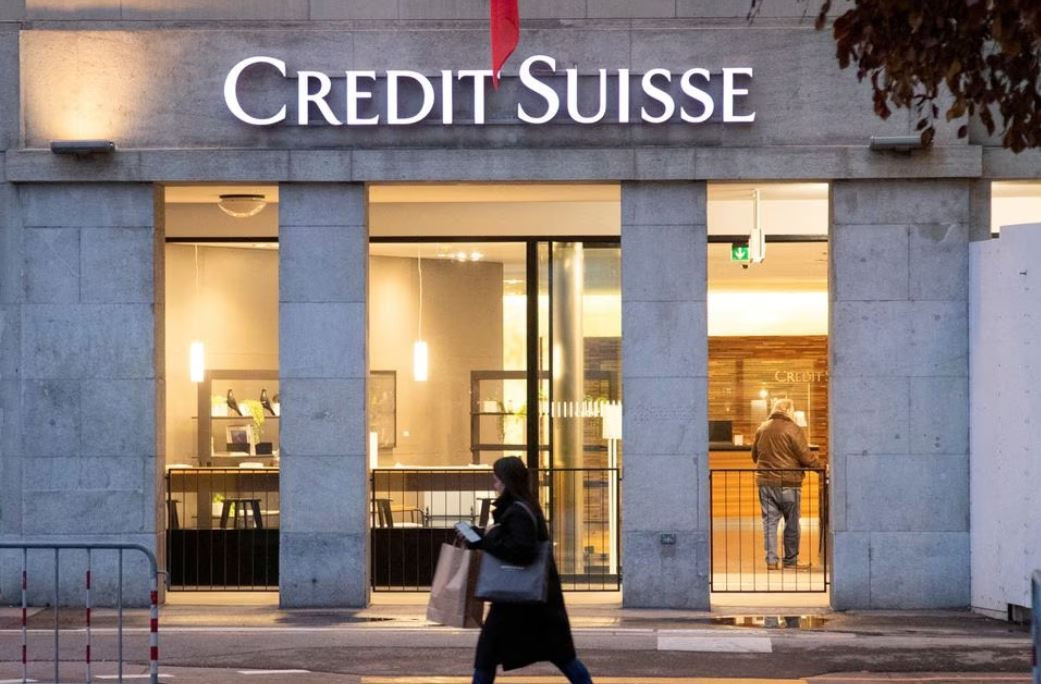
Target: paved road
637	653
345	646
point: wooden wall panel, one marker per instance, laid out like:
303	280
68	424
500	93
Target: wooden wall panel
741	369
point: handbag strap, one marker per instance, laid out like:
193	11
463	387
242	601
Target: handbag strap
534	518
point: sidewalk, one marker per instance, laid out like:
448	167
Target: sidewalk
598	620
247	637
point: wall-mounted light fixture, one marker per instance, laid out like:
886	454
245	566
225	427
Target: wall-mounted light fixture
82	148
895	143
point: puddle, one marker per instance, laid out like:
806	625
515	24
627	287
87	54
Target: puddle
338	618
773	621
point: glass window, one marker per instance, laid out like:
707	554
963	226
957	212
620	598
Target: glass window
448	320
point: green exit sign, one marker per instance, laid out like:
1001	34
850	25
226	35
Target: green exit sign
739	251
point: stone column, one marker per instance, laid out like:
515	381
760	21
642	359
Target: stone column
899	396
569	363
10	366
323	266
664	368
80	431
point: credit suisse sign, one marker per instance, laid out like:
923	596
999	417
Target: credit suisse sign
545	94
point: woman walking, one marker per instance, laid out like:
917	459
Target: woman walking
518	634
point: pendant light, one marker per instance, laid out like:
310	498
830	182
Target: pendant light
757	238
420	352
196	350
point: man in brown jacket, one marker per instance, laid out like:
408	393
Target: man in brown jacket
779	451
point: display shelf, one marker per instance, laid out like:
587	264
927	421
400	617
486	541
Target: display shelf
246	384
480	396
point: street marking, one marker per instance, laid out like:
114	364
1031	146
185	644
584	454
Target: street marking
953	677
268	672
133	676
557	679
15	681
715	644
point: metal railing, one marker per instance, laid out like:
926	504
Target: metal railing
738	531
583	509
56	548
1035	623
222	528
413	512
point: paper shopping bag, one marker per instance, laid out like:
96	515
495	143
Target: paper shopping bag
452	600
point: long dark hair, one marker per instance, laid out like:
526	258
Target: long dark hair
513	474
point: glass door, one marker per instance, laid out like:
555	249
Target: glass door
579	330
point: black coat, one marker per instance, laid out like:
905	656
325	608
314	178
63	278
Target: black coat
518	634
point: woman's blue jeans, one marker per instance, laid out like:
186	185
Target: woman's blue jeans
575	672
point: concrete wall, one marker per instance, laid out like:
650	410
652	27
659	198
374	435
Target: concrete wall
665	375
1004	376
899	394
323	267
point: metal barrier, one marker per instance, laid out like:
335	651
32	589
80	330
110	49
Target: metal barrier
222	528
153	636
413	512
738	536
1035	623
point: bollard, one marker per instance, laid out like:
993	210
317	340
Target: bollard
153	632
87	654
25	615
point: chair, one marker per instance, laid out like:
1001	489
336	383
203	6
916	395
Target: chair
486	509
173	520
241	506
383	514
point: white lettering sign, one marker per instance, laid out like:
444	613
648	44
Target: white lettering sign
545	94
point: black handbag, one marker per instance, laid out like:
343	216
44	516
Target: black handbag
502	582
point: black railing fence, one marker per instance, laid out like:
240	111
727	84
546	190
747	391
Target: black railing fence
414	511
222	528
739	559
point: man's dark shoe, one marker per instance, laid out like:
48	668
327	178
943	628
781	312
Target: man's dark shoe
798	566
772	566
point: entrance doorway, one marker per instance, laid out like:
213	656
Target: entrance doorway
492	335
768	348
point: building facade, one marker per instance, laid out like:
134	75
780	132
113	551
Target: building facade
83	258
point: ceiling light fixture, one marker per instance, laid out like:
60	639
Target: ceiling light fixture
242	205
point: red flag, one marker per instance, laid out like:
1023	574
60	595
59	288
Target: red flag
505	25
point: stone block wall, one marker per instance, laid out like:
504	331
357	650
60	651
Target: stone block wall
664	370
323	268
78	446
899	393
326	10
